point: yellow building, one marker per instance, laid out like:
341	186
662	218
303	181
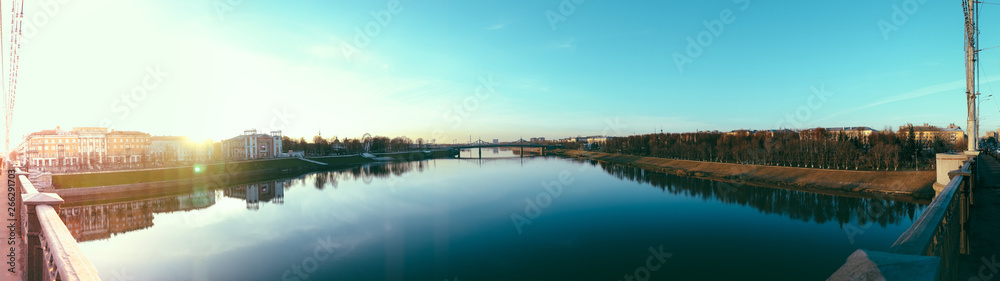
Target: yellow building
83	145
127	146
52	148
93	144
927	133
860	133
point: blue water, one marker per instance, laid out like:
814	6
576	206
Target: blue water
470	219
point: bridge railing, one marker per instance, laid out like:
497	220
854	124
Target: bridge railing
941	230
51	251
931	247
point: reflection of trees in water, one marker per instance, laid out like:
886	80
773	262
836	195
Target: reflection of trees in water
101	221
365	173
320	180
385	170
800	205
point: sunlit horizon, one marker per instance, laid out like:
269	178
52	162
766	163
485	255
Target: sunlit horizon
218	70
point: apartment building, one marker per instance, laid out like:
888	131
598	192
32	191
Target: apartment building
252	145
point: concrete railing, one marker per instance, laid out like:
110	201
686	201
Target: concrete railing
52	252
930	248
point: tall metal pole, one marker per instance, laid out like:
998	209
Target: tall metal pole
971	55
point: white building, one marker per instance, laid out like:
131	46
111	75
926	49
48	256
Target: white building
252	145
166	148
93	143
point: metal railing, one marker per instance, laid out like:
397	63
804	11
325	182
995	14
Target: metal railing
52	252
941	231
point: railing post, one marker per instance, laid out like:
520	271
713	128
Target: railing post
974	168
963	204
963	215
36	265
967	204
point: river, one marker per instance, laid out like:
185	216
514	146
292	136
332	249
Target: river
502	217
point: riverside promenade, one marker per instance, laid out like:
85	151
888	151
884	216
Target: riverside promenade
984	225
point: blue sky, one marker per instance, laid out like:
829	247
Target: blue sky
227	66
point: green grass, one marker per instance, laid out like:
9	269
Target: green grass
63	181
78	180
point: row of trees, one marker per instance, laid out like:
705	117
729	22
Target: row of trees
816	148
379	144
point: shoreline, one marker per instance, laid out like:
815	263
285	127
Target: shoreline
914	186
218	178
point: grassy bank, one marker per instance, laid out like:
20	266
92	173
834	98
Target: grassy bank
90	187
909	183
207	170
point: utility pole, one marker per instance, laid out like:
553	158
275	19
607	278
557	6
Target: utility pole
970	7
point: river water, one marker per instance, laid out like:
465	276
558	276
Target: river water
502	217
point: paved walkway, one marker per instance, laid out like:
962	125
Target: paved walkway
18	247
984	225
311	161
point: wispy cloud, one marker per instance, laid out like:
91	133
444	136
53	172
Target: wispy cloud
922	92
500	25
568	43
497	26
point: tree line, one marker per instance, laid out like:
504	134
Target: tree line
336	146
814	148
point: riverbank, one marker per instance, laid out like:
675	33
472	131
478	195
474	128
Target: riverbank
134	184
915	184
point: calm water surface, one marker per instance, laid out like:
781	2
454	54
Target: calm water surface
506	218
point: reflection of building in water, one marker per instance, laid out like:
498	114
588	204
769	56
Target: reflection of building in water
93	222
269	191
195	201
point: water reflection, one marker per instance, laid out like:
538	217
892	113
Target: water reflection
268	191
365	173
422	221
93	222
102	221
799	205
96	222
